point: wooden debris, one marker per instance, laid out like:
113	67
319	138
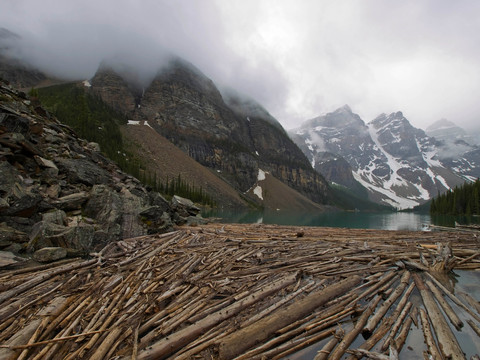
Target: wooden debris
245	291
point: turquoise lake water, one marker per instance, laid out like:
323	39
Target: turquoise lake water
353	220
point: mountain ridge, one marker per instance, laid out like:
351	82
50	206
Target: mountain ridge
397	163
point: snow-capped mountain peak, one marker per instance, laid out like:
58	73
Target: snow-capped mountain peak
397	163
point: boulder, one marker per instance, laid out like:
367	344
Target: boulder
10	176
49	254
23	202
196	220
11	235
7	258
156	220
185	207
58	217
46	234
83	171
72	201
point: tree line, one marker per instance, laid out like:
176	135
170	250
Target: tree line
462	200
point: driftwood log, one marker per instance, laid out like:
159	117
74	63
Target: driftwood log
243	291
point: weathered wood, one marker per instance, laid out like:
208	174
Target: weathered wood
429	339
324	353
455	299
171	344
164	284
245	338
454	319
447	342
474	326
349	337
379	314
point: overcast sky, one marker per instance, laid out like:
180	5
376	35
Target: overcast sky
298	58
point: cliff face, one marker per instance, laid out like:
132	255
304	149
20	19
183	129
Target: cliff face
186	107
114	90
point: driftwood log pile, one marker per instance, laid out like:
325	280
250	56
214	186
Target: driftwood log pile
245	292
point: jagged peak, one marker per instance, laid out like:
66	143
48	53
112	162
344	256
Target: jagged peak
345	108
441	124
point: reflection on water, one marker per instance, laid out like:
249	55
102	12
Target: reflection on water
353	220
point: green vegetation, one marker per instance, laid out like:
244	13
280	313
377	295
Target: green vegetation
88	115
463	200
95	121
177	186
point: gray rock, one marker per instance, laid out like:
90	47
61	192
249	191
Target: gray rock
45	162
196	220
10	235
72	201
3	204
14	123
23	202
83	171
10	176
93	146
56	217
7	258
155	199
151	213
81	238
47	234
105	206
49	254
185	207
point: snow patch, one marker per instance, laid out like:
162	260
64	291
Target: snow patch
258	191
133	122
86	83
392	198
256	152
261	175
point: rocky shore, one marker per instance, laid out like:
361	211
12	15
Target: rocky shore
59	196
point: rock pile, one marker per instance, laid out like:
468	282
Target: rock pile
57	190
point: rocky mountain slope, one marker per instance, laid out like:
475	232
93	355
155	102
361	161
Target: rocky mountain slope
57	190
457	149
165	159
234	140
398	164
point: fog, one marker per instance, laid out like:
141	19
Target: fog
298	59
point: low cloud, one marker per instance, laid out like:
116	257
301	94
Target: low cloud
299	60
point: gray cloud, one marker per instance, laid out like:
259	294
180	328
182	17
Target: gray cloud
299	59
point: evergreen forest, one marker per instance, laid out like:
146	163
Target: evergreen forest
463	200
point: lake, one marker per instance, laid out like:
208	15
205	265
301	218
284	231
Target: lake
353	220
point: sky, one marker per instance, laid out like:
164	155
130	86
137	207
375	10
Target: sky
298	58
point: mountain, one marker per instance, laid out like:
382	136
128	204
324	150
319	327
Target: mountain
15	71
398	164
457	149
445	130
233	138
